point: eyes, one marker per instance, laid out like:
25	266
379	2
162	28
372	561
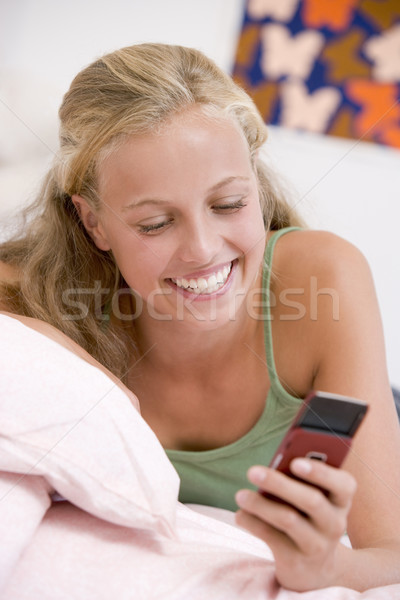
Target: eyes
225	208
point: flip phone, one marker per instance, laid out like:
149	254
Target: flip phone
323	429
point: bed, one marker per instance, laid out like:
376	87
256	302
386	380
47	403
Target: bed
89	503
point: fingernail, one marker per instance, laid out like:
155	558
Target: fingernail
257	475
301	466
241	497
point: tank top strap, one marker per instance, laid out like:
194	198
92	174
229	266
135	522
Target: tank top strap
276	385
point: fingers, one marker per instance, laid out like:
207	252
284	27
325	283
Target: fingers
255	524
304	532
340	485
328	515
304	557
276	524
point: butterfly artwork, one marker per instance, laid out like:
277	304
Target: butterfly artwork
324	66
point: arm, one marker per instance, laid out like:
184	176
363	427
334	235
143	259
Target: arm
8	275
349	359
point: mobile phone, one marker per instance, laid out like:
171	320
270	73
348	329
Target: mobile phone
323	429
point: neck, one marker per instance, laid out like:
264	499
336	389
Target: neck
179	346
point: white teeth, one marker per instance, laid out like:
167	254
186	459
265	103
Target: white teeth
212	281
203	285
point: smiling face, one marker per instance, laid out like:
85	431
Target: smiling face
180	212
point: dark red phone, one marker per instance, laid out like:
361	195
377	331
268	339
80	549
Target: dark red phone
323	429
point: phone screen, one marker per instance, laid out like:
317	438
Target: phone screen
322	430
330	412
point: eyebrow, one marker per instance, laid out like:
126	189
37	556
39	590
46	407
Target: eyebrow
212	189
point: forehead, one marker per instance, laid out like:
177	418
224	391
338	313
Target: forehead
194	130
196	138
200	115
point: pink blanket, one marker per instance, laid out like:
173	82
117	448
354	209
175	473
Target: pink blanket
66	430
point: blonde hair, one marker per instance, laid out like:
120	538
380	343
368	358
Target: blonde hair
132	90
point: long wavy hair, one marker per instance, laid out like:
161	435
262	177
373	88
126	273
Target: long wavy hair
132	90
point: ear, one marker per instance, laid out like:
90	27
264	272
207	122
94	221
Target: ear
91	222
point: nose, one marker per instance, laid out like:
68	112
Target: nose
200	242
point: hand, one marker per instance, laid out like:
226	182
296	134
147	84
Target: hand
305	544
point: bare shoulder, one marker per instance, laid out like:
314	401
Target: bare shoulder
8	273
323	294
317	247
313	253
329	275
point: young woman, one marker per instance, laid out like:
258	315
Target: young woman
160	245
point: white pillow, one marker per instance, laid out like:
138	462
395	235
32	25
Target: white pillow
65	420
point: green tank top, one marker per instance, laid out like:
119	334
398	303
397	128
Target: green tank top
212	477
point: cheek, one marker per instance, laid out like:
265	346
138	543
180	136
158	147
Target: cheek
140	264
253	233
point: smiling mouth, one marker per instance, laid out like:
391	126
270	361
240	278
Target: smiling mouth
205	285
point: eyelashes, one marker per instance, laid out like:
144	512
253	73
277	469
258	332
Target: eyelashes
230	207
154	227
226	209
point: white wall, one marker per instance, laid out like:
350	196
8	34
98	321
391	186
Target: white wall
349	187
44	43
58	38
353	189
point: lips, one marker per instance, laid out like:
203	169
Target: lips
205	285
